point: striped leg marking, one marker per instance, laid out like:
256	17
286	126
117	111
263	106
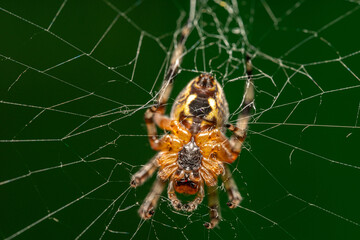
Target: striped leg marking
155	115
144	173
231	189
175	202
146	209
214	208
239	131
191	206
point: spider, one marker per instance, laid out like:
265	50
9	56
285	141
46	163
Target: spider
196	151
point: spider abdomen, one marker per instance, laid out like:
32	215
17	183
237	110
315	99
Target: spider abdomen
199	107
201	104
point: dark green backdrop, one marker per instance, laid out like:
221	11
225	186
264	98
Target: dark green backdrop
77	76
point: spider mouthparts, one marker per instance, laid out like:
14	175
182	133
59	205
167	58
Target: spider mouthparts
207	225
151	212
134	182
229	204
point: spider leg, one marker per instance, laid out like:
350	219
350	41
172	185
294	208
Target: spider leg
239	131
217	142
191	206
214	208
231	188
155	114
146	209
172	196
145	172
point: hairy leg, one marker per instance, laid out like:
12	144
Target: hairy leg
214	208
191	206
231	188
239	131
155	115
146	209
172	196
145	172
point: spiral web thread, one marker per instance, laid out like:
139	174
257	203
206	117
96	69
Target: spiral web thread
48	174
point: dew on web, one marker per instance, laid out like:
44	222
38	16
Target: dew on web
77	78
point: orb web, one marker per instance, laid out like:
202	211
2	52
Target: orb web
77	78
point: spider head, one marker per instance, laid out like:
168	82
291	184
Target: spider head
205	81
187	183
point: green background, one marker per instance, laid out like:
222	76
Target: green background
72	130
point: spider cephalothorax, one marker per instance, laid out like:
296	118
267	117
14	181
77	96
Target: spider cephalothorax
196	151
189	157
